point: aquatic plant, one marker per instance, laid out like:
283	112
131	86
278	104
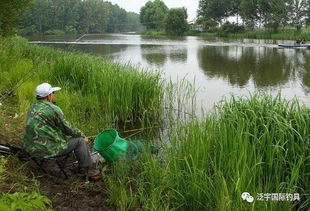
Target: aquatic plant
258	144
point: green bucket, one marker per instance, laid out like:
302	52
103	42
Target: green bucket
110	145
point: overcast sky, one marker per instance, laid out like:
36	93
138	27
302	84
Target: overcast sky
135	5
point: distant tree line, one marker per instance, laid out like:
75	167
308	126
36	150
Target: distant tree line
155	15
10	11
77	16
268	13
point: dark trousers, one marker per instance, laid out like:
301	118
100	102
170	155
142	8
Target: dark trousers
81	151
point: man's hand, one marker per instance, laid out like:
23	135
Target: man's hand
86	140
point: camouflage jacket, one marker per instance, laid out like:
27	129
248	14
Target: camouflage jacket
47	130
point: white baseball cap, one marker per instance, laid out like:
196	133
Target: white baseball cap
45	89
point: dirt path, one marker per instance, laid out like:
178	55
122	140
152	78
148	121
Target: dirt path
75	194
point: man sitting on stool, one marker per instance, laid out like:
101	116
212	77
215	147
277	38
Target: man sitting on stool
47	130
300	41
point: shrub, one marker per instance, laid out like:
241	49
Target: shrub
24	201
230	28
54	32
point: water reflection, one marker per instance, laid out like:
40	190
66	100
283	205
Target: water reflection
166	39
221	62
305	72
178	55
154	54
237	65
158	55
219	66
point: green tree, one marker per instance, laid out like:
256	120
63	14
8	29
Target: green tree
133	22
175	23
215	10
117	18
273	13
235	8
93	16
36	17
57	14
85	17
307	13
10	13
72	16
248	12
99	16
298	12
153	14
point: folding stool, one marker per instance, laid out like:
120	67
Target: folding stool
60	160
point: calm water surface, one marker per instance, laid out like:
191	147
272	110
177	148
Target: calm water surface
217	67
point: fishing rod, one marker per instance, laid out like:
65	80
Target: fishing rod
137	131
140	130
10	91
119	24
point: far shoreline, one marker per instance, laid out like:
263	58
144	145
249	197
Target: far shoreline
258	33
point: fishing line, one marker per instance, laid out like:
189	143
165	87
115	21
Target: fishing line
126	24
121	24
180	111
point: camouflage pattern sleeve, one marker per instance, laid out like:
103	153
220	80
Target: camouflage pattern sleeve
65	126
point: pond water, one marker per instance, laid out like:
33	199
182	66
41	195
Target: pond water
217	67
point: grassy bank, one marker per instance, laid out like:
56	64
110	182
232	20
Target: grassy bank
282	34
255	145
19	191
262	33
152	33
96	93
257	33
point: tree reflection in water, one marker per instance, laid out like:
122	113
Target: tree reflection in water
158	55
265	66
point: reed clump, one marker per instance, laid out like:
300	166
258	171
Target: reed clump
258	145
96	94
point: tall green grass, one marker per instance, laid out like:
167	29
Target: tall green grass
96	93
258	144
